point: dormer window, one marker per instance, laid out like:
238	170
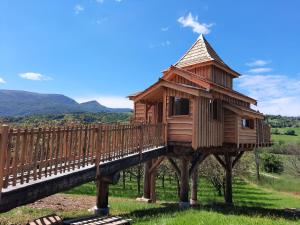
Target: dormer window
179	106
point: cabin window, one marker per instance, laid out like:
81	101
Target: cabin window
214	109
179	106
248	123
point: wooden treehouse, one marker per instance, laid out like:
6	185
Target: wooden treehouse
196	101
188	114
202	113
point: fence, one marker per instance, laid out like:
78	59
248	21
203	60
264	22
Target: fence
33	154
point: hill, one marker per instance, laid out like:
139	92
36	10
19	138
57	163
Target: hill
23	103
277	121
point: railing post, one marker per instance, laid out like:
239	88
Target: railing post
98	149
3	153
141	140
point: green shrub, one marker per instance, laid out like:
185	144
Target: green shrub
272	163
275	131
290	132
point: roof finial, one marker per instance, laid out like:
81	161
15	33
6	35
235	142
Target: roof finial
200	36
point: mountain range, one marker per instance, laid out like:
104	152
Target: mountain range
23	103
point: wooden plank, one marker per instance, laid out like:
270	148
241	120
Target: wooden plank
3	153
23	153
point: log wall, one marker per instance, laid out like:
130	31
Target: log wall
210	130
180	128
230	127
246	135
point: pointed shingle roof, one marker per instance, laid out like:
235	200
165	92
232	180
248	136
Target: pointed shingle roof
200	52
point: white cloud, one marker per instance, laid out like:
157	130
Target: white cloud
166	43
34	76
260	70
191	21
101	20
109	101
162	44
78	9
2	81
257	63
164	29
276	94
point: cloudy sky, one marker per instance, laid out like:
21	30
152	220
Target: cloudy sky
107	49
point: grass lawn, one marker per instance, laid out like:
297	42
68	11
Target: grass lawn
253	205
286	138
287	181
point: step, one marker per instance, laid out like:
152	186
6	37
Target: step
108	220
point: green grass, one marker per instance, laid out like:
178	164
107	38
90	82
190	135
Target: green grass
287	181
252	205
286	138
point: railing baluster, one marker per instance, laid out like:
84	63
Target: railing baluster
3	153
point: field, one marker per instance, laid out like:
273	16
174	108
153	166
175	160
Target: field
263	202
253	205
286	138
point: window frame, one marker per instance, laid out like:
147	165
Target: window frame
172	106
248	125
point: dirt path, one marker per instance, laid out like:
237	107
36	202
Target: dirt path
65	202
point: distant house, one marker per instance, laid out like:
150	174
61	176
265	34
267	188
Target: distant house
196	100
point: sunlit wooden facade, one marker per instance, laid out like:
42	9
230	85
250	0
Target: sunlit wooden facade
195	98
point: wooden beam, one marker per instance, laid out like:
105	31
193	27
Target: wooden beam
147	179
194	187
228	178
156	164
223	164
184	181
237	158
197	161
173	163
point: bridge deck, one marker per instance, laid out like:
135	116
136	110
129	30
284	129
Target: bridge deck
36	163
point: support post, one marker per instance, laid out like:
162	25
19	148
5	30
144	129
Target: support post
103	182
147	166
102	207
184	184
228	187
152	184
194	189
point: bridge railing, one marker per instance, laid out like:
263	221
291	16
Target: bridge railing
263	133
32	154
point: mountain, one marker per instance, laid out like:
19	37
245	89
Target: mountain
94	106
22	103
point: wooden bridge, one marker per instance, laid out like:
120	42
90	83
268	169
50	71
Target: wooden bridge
36	163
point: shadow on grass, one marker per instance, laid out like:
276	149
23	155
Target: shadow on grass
170	208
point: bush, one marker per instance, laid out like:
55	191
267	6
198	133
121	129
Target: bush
275	131
272	163
290	132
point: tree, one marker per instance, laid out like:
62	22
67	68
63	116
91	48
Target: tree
272	163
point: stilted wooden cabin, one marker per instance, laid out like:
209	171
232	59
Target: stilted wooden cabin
196	100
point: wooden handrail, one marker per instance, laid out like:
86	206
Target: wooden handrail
33	154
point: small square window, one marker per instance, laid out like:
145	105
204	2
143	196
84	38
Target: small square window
179	106
248	123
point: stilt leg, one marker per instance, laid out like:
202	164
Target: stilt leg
228	185
194	189
147	178
152	185
184	184
102	207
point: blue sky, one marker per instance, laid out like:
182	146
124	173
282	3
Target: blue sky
107	49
